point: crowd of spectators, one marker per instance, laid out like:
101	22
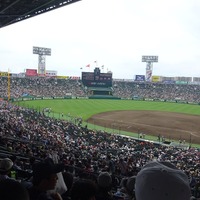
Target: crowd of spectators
27	136
53	87
149	90
40	87
89	156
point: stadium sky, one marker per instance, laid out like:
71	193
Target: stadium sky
115	33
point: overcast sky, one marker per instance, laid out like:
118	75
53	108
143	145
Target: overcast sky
115	33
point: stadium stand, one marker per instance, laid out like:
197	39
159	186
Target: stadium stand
27	136
41	87
54	87
157	91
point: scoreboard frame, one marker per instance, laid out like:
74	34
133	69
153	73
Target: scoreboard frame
90	79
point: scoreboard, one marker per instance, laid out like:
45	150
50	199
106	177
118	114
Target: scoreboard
92	79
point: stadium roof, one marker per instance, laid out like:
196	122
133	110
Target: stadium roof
12	11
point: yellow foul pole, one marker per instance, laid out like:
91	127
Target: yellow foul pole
8	85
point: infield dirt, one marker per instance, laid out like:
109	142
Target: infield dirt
173	126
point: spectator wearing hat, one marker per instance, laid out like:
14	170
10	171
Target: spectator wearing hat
104	183
5	168
162	180
44	179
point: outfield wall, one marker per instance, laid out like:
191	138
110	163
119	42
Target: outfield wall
29	98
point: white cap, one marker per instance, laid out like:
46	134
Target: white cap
162	181
5	164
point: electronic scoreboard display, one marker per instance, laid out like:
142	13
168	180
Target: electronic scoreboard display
93	79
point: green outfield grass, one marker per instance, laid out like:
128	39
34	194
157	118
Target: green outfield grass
86	108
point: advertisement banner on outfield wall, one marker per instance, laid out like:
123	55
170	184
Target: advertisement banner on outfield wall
155	79
62	77
31	72
182	82
139	77
168	82
3	73
51	73
14	75
69	77
74	77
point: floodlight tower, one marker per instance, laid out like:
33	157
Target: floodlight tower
42	52
149	65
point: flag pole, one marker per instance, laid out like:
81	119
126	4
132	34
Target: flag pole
102	67
96	63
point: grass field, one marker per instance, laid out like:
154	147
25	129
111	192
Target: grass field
86	108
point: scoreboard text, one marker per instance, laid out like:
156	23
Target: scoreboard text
90	79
